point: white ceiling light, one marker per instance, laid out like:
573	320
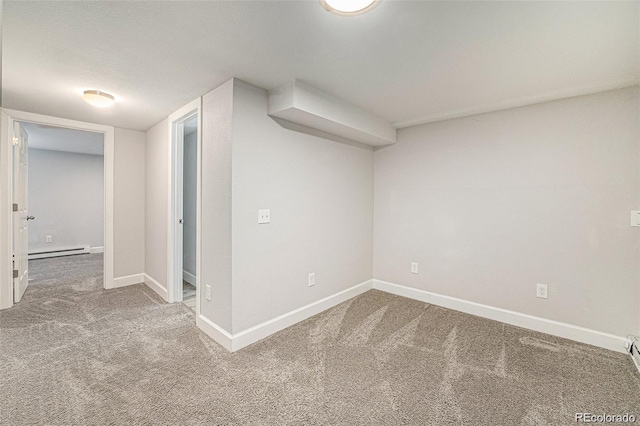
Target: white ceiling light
98	99
348	7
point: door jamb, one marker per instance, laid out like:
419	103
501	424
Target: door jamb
174	242
6	214
9	117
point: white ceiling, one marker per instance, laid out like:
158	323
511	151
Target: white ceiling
404	60
67	140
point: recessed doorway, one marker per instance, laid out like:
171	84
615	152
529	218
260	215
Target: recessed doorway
189	216
184	207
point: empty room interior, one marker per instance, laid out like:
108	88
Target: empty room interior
319	212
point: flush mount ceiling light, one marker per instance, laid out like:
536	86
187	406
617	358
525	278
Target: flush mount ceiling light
98	99
348	7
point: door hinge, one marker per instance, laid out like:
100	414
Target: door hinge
15	207
15	273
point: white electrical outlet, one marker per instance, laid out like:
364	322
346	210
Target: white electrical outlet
207	292
541	291
414	268
264	216
312	279
48	238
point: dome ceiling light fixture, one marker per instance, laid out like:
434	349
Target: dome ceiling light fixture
348	7
98	98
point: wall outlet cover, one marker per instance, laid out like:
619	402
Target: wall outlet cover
541	291
312	279
264	216
414	268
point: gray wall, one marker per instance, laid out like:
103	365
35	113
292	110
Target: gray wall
129	200
156	201
189	185
217	109
320	193
66	195
490	205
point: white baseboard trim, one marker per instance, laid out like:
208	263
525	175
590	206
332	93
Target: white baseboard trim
267	328
216	332
555	328
93	250
128	280
157	287
189	277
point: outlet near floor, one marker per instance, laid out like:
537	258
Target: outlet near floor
312	279
264	216
414	268
541	291
207	292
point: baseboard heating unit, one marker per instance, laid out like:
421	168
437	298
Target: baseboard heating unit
60	252
633	346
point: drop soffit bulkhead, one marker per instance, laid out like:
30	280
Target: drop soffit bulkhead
349	7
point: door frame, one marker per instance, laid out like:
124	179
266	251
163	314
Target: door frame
6	250
175	230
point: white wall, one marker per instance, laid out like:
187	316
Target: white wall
217	109
129	203
490	205
320	193
156	202
66	196
189	203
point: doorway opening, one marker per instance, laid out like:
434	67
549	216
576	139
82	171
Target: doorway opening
189	217
65	204
16	218
184	207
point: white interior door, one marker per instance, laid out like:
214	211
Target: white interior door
20	212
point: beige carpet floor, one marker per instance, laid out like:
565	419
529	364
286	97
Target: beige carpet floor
74	354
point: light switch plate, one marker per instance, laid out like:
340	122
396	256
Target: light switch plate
264	216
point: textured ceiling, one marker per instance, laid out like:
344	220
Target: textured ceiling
67	140
403	60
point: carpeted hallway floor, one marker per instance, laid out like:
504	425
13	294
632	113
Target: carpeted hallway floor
74	354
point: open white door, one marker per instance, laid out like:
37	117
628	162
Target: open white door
20	212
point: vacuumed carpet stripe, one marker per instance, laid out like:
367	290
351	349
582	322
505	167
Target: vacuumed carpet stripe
74	354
